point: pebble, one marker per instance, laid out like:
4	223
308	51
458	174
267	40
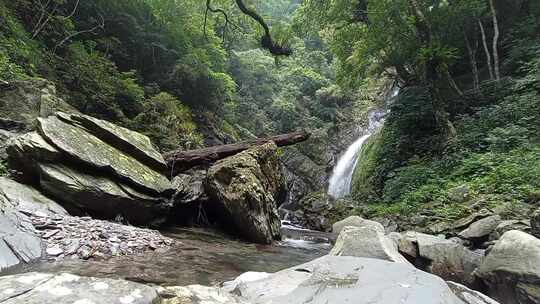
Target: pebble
54	251
87	238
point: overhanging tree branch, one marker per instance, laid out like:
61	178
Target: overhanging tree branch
267	41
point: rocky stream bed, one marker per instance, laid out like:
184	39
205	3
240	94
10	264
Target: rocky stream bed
81	191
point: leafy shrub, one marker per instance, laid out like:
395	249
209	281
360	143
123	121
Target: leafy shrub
8	69
407	179
168	123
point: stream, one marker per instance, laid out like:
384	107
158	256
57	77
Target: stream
200	256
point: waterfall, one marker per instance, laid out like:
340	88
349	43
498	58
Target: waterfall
341	179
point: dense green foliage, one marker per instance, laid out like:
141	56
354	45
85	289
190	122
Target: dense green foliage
407	168
165	67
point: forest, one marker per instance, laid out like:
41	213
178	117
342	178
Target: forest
454	85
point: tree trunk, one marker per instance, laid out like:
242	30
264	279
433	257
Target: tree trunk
452	82
431	74
472	57
496	64
486	49
183	160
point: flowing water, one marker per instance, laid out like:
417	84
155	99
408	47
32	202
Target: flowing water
341	179
200	256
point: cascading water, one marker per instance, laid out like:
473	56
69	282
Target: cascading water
341	179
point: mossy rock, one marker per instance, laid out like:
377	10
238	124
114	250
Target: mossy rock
247	188
85	148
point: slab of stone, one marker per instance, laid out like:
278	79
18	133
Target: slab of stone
130	142
19	242
345	280
27	199
197	294
505	226
99	195
84	147
42	288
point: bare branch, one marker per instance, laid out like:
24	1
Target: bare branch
100	25
267	41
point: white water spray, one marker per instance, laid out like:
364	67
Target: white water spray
341	179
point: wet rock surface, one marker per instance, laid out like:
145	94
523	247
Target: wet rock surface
43	288
87	238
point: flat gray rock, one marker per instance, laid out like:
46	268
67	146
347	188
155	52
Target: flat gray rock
42	288
19	242
346	280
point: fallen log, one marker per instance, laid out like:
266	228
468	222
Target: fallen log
182	160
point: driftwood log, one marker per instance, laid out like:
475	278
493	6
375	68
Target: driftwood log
182	160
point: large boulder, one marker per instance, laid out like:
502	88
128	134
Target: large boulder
197	294
83	147
247	189
340	280
481	229
447	259
512	269
103	169
357	221
366	243
99	195
505	226
189	187
43	288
